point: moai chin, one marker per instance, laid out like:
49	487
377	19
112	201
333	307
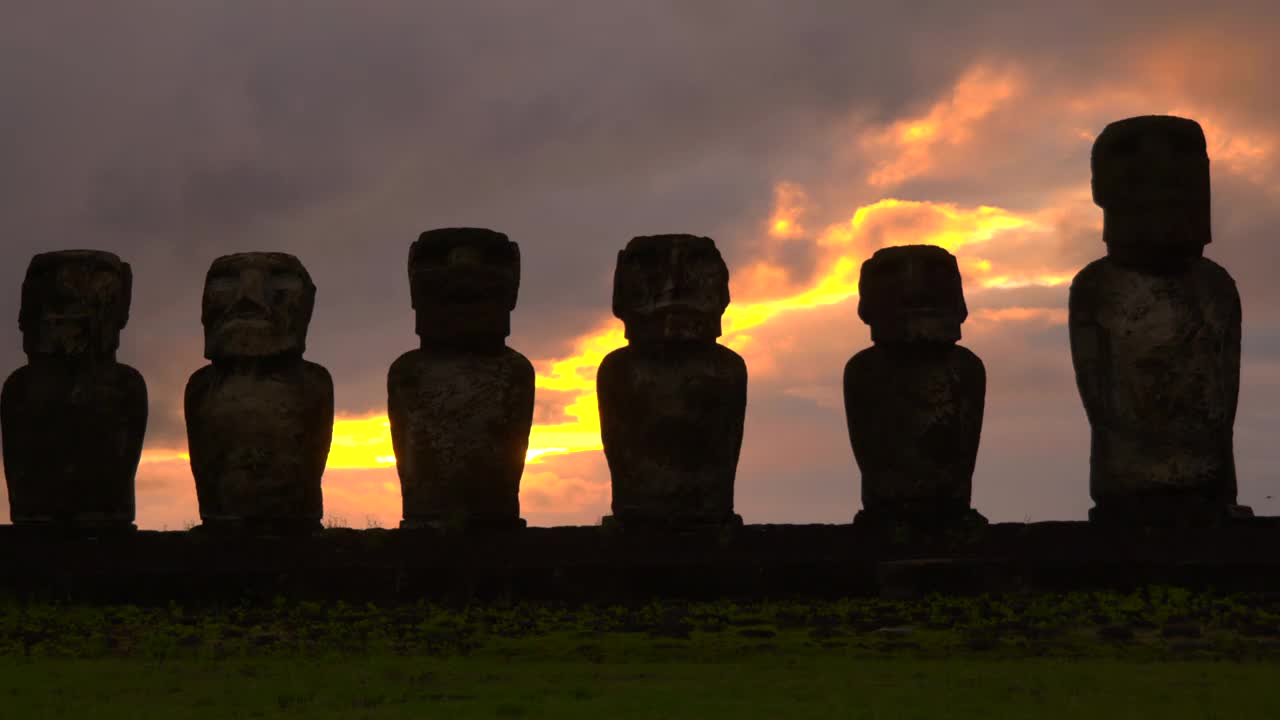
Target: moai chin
914	400
259	417
672	402
461	405
73	419
1155	334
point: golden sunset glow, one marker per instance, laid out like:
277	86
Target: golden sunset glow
910	147
789	203
1006	282
361	442
163	456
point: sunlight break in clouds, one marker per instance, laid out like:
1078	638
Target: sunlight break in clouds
948	123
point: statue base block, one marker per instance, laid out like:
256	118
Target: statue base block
726	529
259	527
465	524
1167	512
916	524
79	527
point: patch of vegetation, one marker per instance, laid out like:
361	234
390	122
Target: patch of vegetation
1041	656
1153	623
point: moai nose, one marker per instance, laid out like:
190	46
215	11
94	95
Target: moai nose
251	292
914	288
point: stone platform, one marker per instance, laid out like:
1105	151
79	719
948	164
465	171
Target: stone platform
597	565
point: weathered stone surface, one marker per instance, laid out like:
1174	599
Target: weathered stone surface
463	283
670	287
914	401
259	417
73	419
460	424
592	565
461	406
1155	334
672	403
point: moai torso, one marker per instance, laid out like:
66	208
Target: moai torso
259	417
461	406
1155	334
672	403
914	422
259	440
73	419
914	401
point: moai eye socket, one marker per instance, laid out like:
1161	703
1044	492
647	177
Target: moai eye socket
891	267
1122	146
283	281
641	256
497	254
1188	143
222	286
700	255
465	254
939	273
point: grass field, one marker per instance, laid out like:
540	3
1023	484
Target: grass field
1159	653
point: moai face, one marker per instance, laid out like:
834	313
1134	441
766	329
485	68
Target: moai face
670	287
74	302
912	293
1151	178
463	282
256	305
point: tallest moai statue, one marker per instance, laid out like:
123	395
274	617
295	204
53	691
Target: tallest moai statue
1155	334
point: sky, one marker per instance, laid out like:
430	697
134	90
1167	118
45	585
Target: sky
801	136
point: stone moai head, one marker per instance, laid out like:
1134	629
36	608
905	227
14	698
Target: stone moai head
464	283
256	305
670	287
74	303
1151	179
912	294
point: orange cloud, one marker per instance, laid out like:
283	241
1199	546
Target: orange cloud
913	144
1050	316
789	202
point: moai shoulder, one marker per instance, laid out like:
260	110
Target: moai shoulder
461	404
914	401
259	416
1155	333
73	419
673	402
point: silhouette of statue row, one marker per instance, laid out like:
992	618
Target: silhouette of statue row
1154	336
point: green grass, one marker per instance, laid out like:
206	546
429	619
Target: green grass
776	686
1162	652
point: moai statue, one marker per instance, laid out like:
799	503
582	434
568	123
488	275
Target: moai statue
914	399
461	405
1155	334
259	417
672	401
73	418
